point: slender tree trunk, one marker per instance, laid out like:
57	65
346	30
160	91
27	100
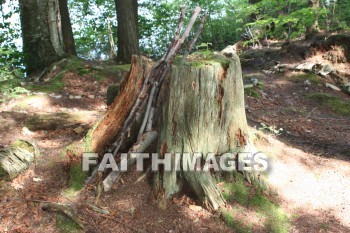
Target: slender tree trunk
314	27
67	31
128	38
42	33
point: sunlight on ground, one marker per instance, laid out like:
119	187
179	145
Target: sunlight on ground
313	184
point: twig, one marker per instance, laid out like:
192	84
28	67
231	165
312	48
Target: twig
148	109
195	38
140	146
308	115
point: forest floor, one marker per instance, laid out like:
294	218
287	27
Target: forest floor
310	177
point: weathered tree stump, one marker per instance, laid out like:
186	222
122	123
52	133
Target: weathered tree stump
204	112
15	158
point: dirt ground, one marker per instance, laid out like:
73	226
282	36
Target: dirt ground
310	173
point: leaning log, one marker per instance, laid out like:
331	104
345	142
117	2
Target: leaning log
16	158
107	129
204	112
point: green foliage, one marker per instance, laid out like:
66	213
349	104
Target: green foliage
90	27
334	103
11	89
11	59
270	129
252	92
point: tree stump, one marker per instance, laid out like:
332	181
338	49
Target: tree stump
203	112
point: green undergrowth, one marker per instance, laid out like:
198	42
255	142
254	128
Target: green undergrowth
55	84
76	180
245	196
238	225
77	176
336	104
252	92
11	89
66	225
313	78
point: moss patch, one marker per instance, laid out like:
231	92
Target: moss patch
252	197
238	226
313	78
76	180
203	58
50	121
66	225
54	85
335	103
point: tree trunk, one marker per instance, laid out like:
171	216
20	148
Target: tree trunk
67	32
204	113
107	129
313	28
42	33
128	38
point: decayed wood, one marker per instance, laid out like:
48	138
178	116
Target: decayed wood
16	158
118	112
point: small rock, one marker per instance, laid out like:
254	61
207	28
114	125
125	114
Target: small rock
195	208
307	82
26	131
91	96
37	179
56	96
71	97
79	130
132	210
333	87
77	97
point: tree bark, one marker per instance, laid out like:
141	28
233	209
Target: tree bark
113	120
204	113
67	31
42	33
128	38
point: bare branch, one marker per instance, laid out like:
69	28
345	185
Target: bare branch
195	38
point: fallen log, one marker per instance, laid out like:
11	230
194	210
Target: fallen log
16	158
